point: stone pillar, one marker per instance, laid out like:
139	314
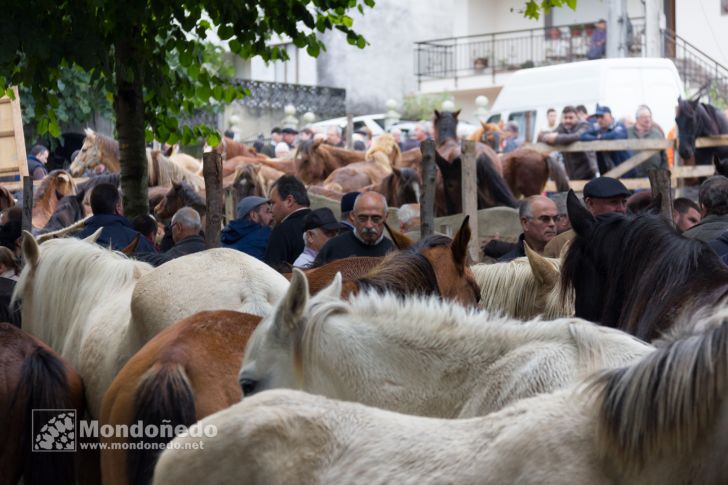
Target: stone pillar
481	108
392	115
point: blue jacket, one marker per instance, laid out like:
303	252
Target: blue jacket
616	131
35	164
246	236
117	233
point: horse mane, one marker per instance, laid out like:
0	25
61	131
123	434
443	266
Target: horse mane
666	402
644	263
169	172
107	144
385	151
401	273
190	197
47	185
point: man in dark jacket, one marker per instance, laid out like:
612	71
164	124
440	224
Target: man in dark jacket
37	159
608	129
538	216
185	234
250	232
579	165
107	211
713	200
290	204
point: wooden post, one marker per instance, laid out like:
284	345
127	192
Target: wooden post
349	131
27	220
660	183
469	178
212	172
427	202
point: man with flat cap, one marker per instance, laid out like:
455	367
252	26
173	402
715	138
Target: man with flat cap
319	226
289	136
250	231
602	195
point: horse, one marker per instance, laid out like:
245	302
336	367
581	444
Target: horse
6	199
33	377
56	185
314	160
637	273
232	165
252	179
402	186
87	322
695	119
187	162
378	163
229	148
523	288
179	195
185	373
526	171
163	172
660	420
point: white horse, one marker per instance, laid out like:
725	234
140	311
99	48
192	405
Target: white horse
523	288
75	297
421	355
216	279
662	420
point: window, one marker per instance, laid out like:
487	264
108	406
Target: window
526	121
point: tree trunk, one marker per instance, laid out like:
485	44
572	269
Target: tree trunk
212	171
129	109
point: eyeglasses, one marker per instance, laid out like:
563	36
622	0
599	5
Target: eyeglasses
363	218
546	219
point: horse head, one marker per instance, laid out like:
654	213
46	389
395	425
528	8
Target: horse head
170	202
721	166
445	125
309	162
88	156
688	128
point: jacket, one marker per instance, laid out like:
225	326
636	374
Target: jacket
579	165
117	232
710	228
609	160
36	169
246	236
188	245
518	252
286	241
658	160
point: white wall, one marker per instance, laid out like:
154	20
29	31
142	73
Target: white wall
700	22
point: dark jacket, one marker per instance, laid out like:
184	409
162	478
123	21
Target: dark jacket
346	245
269	149
710	228
658	160
609	160
579	165
246	236
117	232
188	245
720	245
8	313
286	242
36	169
518	252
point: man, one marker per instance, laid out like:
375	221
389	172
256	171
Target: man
579	165
37	160
306	134
333	136
607	129
147	226
713	201
602	195
551	121
108	213
289	137
289	204
347	205
397	135
645	129
409	217
538	216
512	140
250	231
275	139
582	113
419	134
319	226
367	238
186	236
598	46
685	214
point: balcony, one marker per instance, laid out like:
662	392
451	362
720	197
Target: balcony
326	102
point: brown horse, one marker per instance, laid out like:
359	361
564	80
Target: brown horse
378	163
53	188
315	160
178	196
489	134
251	179
402	186
6	199
229	148
231	165
33	377
188	371
526	171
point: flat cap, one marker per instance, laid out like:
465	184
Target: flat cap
248	204
605	188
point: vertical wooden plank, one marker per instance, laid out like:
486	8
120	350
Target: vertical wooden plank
19	135
349	131
427	202
660	183
212	172
469	180
27	220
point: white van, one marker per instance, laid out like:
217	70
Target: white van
620	84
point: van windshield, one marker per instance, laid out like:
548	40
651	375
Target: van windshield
494	118
526	121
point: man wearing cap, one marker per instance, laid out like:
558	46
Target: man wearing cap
319	226
713	201
250	231
607	129
603	195
290	204
275	139
347	205
289	136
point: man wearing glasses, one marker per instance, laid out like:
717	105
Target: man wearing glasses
538	216
367	238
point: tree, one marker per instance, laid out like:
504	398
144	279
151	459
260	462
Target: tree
150	56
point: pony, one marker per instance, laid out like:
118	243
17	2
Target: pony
179	195
402	186
637	273
378	163
253	179
526	171
350	268
86	322
229	148
33	377
695	119
523	288
56	185
420	355
185	373
314	160
488	133
660	420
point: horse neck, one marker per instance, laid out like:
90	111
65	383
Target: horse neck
718	124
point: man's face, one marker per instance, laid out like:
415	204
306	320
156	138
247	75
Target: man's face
276	137
333	137
606	206
684	221
316	238
605	120
540	228
368	219
644	121
551	116
280	208
569	120
419	133
43	156
262	215
289	138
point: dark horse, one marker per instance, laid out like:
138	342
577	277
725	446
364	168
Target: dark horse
492	188
637	273
695	119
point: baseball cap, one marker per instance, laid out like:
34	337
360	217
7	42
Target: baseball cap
602	110
605	188
321	218
347	202
248	204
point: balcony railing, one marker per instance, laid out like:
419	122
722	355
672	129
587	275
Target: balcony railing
324	101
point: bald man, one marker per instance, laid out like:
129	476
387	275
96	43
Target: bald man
367	238
186	226
539	217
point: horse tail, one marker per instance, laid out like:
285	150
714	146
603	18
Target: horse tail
164	398
490	179
557	174
44	385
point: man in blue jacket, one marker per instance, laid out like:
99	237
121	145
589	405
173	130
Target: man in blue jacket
608	129
108	212
249	233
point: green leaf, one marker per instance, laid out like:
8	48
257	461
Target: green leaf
54	129
361	42
213	139
217	92
185	58
225	32
348	21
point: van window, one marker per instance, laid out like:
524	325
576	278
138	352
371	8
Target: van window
494	118
526	124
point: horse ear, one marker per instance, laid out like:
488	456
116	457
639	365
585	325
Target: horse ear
290	309
400	240
131	247
581	219
456	114
333	290
542	270
437	114
317	143
31	251
484	125
459	246
93	237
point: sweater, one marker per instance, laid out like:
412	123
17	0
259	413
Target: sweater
346	245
